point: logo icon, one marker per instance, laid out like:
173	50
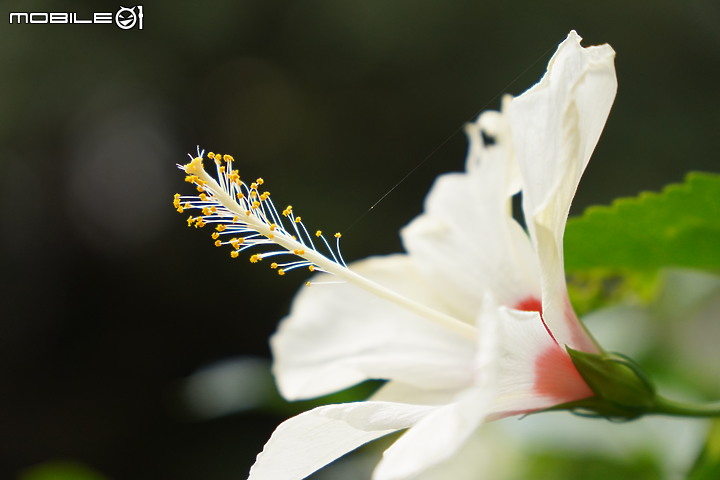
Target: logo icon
127	18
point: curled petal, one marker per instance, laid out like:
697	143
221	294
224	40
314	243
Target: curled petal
555	126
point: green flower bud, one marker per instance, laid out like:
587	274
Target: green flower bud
621	388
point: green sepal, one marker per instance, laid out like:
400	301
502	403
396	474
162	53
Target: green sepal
621	389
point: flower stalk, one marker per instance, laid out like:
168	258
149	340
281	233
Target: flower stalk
623	391
664	406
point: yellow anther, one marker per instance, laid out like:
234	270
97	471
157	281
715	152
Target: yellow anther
250	200
307	284
180	209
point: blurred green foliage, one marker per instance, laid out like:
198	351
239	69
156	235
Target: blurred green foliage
707	466
552	466
60	470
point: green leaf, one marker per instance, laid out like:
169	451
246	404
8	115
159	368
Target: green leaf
678	227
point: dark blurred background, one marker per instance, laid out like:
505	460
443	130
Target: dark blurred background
110	304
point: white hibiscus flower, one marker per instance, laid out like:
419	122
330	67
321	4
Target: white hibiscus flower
468	326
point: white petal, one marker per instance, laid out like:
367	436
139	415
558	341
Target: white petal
305	443
555	126
439	435
436	437
519	368
466	236
338	335
488	454
526	366
399	392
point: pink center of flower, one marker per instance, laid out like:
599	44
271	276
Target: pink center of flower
532	304
556	377
555	374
